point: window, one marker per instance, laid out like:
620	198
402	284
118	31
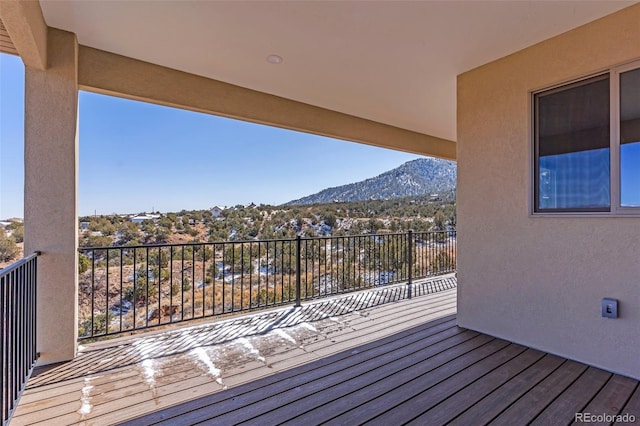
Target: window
630	138
587	145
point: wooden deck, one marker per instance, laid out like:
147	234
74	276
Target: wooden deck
374	357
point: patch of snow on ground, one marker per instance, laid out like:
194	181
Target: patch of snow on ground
148	372
283	334
202	355
85	408
308	327
251	350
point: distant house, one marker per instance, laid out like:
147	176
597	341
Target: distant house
142	217
216	211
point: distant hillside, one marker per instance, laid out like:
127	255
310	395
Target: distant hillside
424	176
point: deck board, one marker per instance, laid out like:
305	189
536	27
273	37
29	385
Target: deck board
314	370
574	399
525	409
305	382
328	388
449	408
492	404
357	390
632	407
611	398
375	358
425	399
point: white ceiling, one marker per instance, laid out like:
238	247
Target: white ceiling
394	61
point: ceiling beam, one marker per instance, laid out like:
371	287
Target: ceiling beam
117	75
25	24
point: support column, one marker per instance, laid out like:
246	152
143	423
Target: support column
50	202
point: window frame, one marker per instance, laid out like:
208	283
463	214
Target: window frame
615	202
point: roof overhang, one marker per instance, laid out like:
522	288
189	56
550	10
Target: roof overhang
382	73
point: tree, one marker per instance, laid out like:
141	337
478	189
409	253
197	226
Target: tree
329	219
238	259
374	225
128	232
17	231
138	293
161	234
439	221
83	263
103	225
452	218
8	248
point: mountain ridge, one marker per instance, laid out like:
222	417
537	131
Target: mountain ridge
423	176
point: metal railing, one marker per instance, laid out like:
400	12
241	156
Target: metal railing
130	288
18	353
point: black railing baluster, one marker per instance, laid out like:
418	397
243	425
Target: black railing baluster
204	278
146	281
213	279
237	291
298	272
121	267
181	284
106	287
409	261
159	293
224	267
193	282
135	293
233	272
171	284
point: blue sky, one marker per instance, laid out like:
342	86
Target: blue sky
137	157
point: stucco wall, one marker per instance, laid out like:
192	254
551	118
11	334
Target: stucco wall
539	280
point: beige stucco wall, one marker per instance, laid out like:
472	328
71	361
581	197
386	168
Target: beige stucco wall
50	207
539	280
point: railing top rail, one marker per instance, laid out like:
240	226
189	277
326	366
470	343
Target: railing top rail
19	263
333	237
210	243
193	243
